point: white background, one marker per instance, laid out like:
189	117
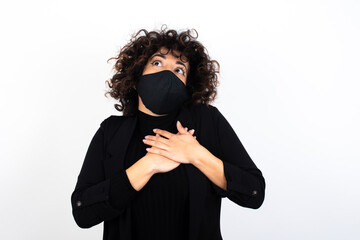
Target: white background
289	86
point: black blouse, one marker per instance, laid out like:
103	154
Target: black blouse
103	192
160	210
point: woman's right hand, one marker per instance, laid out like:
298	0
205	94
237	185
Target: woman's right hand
163	164
160	163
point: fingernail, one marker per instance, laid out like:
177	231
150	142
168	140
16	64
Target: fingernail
186	128
192	130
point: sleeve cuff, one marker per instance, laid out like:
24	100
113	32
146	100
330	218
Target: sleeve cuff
231	186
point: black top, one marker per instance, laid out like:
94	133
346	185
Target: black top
103	192
160	210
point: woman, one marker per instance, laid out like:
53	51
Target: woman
145	174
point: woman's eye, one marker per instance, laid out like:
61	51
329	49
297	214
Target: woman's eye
183	72
155	62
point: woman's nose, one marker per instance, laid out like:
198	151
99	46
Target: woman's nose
168	68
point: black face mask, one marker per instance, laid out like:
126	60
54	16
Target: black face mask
162	92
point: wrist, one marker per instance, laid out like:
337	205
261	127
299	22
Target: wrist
200	155
150	166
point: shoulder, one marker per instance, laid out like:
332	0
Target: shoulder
210	114
112	122
202	108
110	126
207	111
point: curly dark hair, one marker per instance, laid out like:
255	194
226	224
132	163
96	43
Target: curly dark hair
202	79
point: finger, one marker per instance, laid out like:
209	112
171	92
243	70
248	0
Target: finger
178	133
163	133
158	142
159	151
180	128
157	138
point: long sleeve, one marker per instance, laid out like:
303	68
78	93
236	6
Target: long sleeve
245	182
96	198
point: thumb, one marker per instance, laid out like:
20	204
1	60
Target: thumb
180	128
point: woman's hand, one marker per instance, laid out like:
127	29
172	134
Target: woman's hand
163	164
181	147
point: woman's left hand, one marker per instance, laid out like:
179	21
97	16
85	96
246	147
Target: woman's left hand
181	147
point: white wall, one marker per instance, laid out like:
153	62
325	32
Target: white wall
289	87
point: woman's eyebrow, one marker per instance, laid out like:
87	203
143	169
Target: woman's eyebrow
164	57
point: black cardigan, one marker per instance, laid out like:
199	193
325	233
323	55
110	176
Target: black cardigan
104	162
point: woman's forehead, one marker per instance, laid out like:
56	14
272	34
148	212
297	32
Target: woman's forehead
174	53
